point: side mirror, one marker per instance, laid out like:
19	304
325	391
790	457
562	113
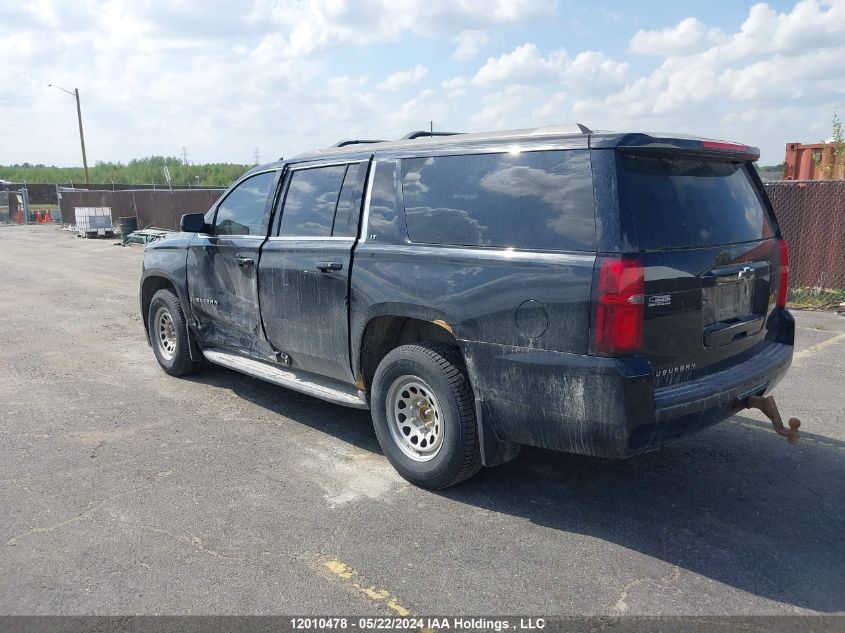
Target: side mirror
193	223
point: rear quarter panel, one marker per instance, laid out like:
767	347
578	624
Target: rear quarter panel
477	292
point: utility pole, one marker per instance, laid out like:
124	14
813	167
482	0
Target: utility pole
184	155
81	135
257	157
75	94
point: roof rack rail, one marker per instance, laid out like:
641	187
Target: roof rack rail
356	142
566	128
422	133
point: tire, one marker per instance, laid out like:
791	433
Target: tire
436	445
170	344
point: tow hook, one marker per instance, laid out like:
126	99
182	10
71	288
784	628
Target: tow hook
770	409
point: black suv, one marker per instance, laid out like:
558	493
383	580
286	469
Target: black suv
592	292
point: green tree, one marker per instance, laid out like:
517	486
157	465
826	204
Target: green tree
149	170
834	166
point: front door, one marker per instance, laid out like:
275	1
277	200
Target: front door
305	266
223	268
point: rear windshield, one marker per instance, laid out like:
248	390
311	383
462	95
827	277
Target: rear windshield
689	202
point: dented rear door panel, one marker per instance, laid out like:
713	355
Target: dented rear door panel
304	302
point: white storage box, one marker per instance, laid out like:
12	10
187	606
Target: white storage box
93	221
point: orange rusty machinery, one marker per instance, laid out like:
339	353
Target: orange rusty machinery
801	162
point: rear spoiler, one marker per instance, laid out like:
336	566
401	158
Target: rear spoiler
673	144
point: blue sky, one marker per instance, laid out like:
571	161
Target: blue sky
284	76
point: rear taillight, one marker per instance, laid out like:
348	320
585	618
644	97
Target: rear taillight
784	273
619	307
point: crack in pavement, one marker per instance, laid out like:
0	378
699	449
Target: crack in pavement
194	541
83	515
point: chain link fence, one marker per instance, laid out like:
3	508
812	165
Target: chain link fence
811	214
14	206
5	214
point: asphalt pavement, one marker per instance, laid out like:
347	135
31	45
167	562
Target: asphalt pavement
126	491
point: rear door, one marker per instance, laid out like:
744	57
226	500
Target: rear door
222	267
708	243
305	267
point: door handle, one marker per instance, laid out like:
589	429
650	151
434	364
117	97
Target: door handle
243	262
328	266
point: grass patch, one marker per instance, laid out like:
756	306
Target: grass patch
815	298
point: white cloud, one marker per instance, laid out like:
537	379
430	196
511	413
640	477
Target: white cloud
322	23
42	11
592	66
508	108
419	113
469	44
708	82
687	36
527	65
810	25
455	87
551	109
769	58
404	78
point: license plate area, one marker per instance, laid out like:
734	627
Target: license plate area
730	300
734	302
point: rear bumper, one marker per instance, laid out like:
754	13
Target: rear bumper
697	404
604	406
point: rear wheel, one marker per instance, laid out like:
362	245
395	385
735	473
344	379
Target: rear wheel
424	416
169	335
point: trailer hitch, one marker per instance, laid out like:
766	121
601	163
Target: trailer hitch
770	410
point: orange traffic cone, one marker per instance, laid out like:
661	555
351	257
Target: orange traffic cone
20	217
47	218
38	219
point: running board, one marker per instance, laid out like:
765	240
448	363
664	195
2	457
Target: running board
307	383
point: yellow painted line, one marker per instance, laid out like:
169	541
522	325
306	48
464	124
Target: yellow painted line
339	569
818	346
357	582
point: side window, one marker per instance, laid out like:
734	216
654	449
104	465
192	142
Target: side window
311	200
533	200
245	211
383	222
349	205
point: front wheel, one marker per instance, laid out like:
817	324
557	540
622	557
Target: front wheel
169	334
424	416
